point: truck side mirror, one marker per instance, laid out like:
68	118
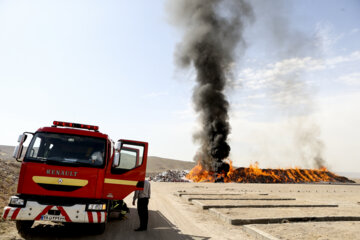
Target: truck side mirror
117	146
116	159
117	154
18	150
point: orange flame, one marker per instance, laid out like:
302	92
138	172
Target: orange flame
253	174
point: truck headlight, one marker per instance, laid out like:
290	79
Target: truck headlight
16	201
96	207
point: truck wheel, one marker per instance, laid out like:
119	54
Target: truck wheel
23	227
99	228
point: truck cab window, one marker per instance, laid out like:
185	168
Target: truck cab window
34	150
130	157
64	149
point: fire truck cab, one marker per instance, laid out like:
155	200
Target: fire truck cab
73	173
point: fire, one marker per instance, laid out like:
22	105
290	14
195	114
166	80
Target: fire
253	174
199	174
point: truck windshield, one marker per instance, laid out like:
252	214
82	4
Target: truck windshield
64	149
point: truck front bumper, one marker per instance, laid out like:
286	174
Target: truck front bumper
39	212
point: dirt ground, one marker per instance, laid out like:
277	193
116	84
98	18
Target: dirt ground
9	171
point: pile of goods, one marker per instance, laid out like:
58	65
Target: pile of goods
171	176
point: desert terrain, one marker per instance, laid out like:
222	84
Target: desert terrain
213	211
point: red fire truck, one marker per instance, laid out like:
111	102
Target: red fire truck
73	173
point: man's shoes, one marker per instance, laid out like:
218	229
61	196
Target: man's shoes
140	229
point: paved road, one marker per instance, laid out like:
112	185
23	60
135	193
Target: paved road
159	228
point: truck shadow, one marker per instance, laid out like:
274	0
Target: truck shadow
159	227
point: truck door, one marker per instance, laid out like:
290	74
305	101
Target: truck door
126	171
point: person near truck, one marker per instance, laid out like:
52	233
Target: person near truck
142	205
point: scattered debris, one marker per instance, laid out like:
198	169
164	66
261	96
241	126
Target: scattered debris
171	176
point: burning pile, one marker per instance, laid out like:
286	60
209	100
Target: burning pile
253	174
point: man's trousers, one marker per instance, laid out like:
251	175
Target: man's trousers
142	207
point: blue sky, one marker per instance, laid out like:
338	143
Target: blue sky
110	63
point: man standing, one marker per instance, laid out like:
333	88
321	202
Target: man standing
142	205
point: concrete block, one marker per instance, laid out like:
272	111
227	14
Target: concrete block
279	219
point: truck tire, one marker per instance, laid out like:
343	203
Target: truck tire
23	227
99	228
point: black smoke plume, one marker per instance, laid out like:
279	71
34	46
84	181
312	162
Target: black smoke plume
212	31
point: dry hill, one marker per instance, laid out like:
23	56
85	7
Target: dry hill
6	152
156	165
